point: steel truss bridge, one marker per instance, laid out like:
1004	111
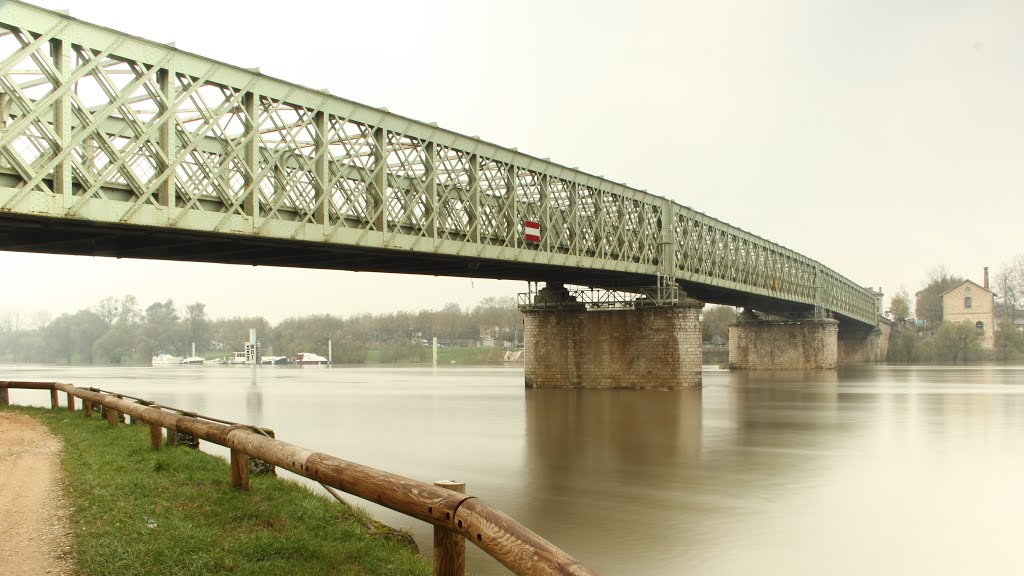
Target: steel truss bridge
113	145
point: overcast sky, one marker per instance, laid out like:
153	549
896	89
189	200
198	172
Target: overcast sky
881	138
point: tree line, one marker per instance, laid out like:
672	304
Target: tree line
118	331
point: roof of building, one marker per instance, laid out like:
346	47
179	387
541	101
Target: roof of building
973	283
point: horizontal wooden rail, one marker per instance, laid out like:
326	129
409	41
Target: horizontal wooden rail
507	541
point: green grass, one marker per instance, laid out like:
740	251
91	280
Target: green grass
143	512
468	355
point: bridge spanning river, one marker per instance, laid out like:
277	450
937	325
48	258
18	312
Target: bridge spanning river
113	145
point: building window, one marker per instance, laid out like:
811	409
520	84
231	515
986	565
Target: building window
981	327
967	301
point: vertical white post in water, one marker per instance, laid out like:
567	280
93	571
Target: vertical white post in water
435	351
330	352
193	349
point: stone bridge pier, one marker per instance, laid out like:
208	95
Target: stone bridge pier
865	344
758	344
806	344
649	345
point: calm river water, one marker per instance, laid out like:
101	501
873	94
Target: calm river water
875	470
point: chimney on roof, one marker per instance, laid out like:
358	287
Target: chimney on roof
986	277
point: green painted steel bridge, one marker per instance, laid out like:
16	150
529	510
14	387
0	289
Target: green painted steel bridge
113	145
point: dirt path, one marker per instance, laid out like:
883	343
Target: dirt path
34	534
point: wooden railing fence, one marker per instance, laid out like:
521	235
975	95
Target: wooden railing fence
455	516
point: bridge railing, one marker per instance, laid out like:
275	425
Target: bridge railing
513	545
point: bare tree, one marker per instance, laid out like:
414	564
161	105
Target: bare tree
107	310
10	321
929	300
129	313
197	325
40	318
1009	285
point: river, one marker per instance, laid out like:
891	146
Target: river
872	470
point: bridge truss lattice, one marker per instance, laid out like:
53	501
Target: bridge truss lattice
101	127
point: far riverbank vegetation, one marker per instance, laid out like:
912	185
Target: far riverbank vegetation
118	331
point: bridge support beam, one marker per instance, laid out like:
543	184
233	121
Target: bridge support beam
647	347
863	345
783	345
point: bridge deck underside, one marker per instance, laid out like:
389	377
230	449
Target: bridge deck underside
82	238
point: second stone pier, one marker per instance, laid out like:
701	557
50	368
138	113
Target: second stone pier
570	346
783	345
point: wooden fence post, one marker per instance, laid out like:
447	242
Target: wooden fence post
5	399
156	436
449	546
54	401
112	416
172	437
86	408
71	402
239	469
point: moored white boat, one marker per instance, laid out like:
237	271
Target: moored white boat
194	361
310	359
239	358
165	359
273	360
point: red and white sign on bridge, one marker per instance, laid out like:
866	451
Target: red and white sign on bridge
531	231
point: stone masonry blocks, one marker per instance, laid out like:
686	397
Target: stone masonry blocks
764	345
658	347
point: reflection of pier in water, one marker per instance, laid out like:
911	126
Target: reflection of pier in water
784	409
597	458
582	432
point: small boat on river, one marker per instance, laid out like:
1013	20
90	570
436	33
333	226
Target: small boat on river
194	360
273	360
310	359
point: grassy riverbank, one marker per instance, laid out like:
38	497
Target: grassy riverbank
143	512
